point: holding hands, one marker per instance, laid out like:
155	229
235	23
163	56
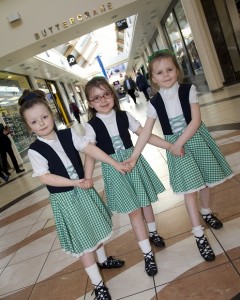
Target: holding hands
177	150
123	167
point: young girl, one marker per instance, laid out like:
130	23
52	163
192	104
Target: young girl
82	220
202	165
109	128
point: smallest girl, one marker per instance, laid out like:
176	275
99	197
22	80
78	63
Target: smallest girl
82	219
202	166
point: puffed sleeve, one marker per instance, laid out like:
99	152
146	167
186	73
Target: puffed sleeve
79	141
38	162
193	95
90	134
133	123
151	111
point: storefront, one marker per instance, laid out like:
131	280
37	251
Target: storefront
179	35
11	88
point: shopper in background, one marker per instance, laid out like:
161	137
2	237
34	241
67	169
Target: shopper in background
129	86
6	148
75	111
142	84
2	175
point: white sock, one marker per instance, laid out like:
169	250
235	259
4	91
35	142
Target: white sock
94	274
145	246
152	226
101	255
206	211
197	231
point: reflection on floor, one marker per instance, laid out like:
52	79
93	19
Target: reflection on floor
32	265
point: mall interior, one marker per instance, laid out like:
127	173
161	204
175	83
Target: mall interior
57	46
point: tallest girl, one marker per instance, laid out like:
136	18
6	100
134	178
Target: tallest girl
202	165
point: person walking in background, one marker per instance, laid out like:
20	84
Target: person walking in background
132	193
142	84
6	148
129	86
201	164
2	175
83	221
75	111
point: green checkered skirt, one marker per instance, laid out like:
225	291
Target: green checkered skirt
129	192
82	220
203	164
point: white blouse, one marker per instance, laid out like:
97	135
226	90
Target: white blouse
40	164
172	102
110	122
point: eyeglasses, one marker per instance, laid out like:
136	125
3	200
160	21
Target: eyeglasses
97	99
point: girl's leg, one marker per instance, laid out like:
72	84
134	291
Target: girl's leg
154	237
138	225
206	212
105	262
202	243
91	268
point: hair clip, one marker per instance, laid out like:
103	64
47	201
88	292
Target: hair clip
155	54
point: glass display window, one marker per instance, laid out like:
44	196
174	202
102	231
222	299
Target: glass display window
11	88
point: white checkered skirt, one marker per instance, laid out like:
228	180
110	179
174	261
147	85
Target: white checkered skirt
203	164
82	220
129	192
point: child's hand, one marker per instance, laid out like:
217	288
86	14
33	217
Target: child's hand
177	150
84	184
123	167
132	161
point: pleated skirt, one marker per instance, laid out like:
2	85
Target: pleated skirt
82	220
129	192
203	164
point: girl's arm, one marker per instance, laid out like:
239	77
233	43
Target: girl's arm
56	180
89	165
142	141
190	130
97	153
155	140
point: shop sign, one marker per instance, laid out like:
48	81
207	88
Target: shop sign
9	89
122	24
79	18
71	60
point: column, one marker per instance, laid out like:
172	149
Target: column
202	38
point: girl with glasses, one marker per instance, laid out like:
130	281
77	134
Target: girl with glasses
132	193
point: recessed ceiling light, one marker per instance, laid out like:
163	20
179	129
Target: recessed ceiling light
113	17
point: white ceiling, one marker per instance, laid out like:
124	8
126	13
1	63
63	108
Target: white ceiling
149	13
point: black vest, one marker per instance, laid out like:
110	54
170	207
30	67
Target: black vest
157	102
54	162
103	138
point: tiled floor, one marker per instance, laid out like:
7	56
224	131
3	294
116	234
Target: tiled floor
32	265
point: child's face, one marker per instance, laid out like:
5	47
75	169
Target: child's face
164	72
40	121
101	99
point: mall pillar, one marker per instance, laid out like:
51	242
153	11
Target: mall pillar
202	38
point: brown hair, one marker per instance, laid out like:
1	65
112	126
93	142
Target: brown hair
30	99
102	83
158	56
